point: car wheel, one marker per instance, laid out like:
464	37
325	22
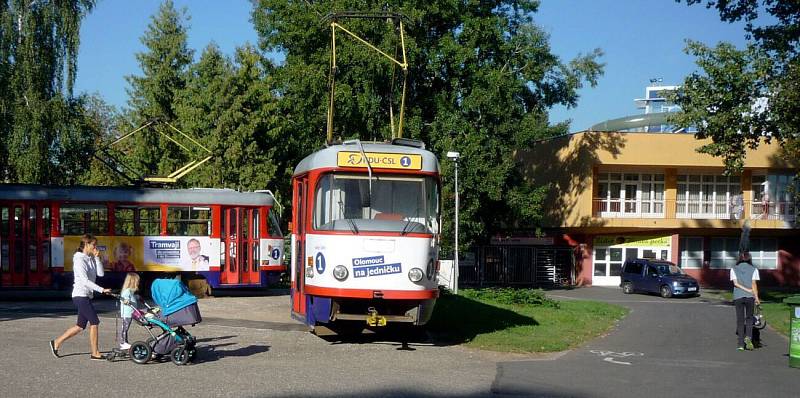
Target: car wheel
666	292
627	288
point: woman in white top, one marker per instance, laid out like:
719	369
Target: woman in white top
85	270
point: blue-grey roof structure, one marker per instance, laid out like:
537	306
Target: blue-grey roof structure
81	194
327	158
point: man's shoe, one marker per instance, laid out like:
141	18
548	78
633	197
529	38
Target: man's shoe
748	344
53	349
739	348
124	346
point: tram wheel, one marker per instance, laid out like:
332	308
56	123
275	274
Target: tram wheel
140	352
180	356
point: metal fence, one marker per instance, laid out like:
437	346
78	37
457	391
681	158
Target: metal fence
513	265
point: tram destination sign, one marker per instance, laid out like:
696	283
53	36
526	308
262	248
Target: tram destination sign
378	160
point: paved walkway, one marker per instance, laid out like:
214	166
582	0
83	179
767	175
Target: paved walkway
663	348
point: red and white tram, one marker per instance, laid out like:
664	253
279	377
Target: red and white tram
365	242
231	238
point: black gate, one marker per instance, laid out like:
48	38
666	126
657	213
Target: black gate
514	265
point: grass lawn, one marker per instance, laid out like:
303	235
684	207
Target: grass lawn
489	321
773	308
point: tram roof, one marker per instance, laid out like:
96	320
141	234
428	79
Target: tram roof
205	196
328	157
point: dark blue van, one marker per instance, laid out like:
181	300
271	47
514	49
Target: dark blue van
657	276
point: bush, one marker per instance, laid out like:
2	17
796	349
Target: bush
511	296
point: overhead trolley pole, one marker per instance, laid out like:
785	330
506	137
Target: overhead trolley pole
333	20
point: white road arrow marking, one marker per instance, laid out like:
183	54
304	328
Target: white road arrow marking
609	359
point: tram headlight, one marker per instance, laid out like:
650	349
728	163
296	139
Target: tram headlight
340	272
415	274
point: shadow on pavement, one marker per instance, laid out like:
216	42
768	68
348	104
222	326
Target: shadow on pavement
211	353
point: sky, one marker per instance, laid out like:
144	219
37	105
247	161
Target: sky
642	39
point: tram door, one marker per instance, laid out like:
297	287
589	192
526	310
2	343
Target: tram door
237	240
298	255
24	245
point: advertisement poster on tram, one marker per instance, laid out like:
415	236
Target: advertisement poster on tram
150	253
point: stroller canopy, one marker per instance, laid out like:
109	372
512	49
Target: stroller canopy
171	295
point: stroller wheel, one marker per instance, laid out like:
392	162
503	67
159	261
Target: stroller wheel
140	352
180	356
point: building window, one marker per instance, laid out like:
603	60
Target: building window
707	196
691	252
630	195
773	197
724	252
764	252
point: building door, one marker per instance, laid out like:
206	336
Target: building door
608	261
607	266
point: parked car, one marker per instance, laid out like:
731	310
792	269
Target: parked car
657	276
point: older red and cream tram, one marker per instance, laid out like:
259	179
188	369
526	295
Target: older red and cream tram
365	243
231	238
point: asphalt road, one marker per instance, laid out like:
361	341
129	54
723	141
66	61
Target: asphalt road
249	347
663	348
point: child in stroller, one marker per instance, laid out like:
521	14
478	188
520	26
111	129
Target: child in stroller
176	308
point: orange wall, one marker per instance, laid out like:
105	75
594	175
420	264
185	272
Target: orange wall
570	164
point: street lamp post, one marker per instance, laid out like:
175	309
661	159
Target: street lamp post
454	157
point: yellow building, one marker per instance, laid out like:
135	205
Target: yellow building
619	195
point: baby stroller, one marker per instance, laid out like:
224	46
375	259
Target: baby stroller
176	308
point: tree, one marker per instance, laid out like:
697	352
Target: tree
745	97
481	80
41	124
230	109
152	96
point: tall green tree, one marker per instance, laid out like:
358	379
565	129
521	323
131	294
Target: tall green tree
41	124
482	78
164	66
742	97
230	107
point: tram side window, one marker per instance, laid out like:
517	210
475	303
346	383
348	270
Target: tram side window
4	224
18	265
45	243
432	201
149	221
273	224
189	221
46	222
135	221
124	221
79	219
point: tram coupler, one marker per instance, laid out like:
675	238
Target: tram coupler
373	319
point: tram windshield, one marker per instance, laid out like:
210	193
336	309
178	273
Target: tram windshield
398	203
